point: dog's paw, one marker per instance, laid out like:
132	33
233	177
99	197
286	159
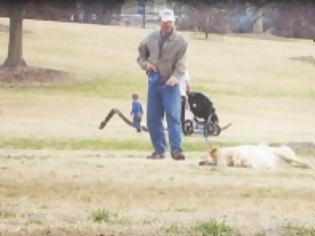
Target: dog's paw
206	163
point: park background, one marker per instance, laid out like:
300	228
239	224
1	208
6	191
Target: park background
61	175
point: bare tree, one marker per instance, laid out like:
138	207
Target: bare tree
208	16
15	51
258	24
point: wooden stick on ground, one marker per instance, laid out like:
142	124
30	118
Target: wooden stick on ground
122	116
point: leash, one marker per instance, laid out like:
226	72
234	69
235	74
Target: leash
226	126
207	141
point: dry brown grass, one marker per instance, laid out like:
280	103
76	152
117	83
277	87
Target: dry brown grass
58	191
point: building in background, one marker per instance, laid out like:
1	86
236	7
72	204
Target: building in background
135	12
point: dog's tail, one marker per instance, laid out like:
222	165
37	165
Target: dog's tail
286	154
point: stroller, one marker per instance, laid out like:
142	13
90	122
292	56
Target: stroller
205	119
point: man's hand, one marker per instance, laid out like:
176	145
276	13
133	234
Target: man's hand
172	81
149	67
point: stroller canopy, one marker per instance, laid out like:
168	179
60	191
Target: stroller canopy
200	105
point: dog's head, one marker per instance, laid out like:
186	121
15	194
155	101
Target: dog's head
213	155
211	160
221	157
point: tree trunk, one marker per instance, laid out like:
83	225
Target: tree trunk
15	55
258	26
144	15
206	27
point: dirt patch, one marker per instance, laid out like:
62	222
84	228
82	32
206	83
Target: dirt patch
306	147
307	59
32	75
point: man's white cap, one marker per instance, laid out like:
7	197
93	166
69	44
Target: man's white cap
167	15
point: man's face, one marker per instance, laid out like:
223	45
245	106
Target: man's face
167	26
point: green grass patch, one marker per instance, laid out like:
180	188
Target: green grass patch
246	90
112	86
74	144
215	228
94	144
184	210
298	230
116	85
120	86
100	215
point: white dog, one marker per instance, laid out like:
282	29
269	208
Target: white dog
253	156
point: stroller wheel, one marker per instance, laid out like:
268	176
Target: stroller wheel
208	129
188	127
216	130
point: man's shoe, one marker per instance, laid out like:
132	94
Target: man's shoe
178	156
155	156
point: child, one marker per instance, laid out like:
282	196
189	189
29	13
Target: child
184	88
136	112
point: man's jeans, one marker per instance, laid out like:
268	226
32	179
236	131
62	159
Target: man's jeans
164	99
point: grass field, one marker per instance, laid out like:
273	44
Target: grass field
60	175
254	83
94	193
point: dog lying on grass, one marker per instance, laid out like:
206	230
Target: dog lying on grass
254	156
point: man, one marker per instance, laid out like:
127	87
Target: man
162	56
